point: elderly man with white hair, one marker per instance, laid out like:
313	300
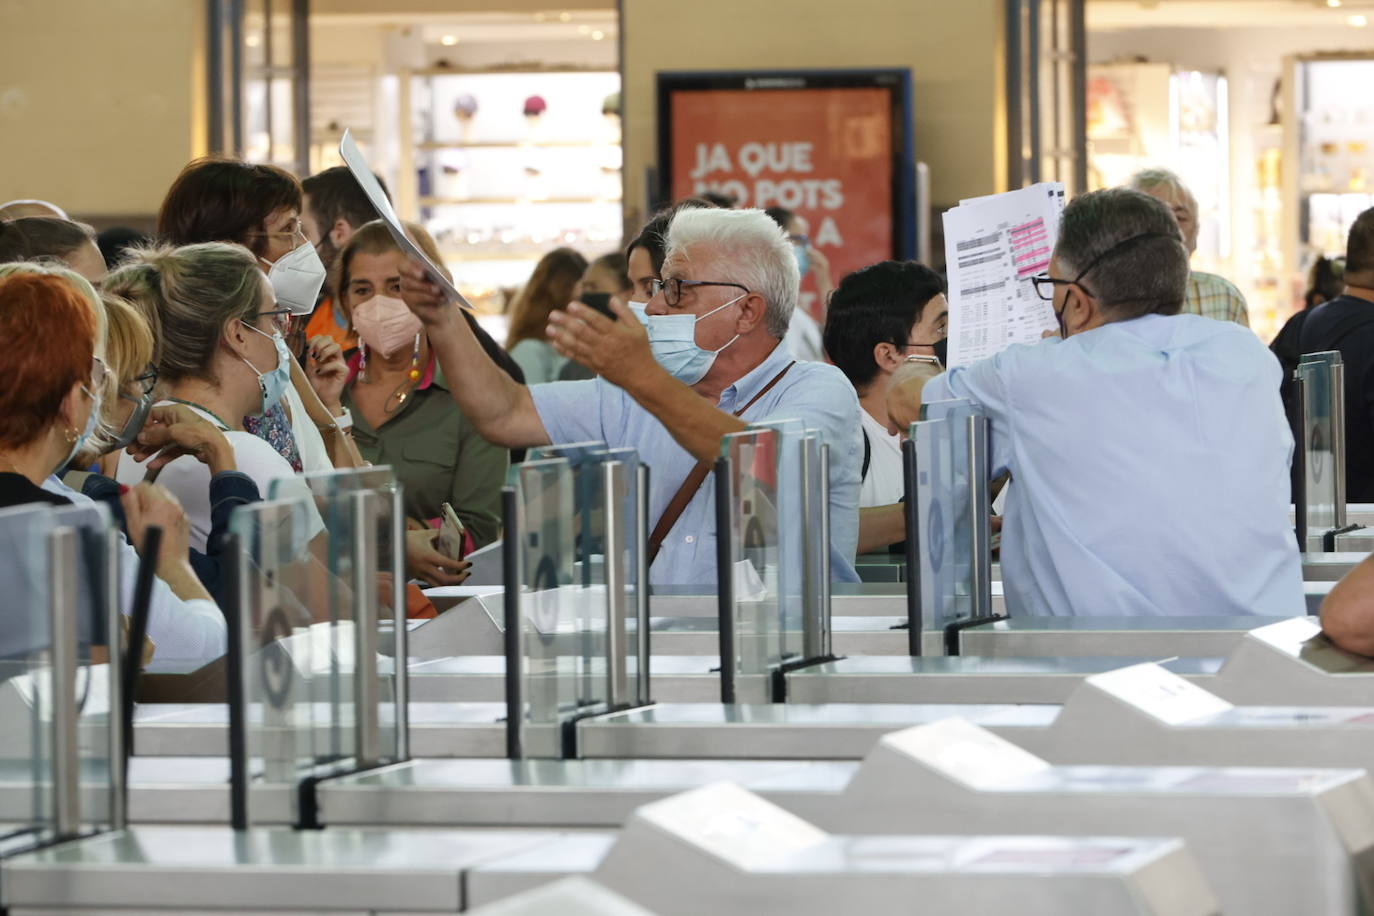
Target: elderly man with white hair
1208	295
703	358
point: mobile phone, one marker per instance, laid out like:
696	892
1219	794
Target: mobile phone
599	301
450	541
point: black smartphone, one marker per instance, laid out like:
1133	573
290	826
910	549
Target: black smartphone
599	301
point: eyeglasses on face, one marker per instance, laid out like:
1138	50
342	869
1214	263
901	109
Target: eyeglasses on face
672	288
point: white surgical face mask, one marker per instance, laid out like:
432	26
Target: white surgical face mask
673	340
297	277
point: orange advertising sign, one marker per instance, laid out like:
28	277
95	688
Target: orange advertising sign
824	153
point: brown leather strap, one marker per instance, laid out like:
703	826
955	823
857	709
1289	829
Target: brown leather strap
678	504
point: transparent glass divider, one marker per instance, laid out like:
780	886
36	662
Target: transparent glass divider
797	534
931	543
1321	412
60	676
749	548
358	566
550	645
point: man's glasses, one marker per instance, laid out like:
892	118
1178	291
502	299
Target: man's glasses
1045	284
671	288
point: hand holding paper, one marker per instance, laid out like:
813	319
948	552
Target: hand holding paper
362	173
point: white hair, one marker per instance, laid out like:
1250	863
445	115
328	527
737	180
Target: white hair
753	251
1147	180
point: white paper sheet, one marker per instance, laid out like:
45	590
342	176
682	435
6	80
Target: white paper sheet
362	172
993	246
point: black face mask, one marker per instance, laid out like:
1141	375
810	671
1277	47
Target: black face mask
941	347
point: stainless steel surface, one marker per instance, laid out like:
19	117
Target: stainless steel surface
823	554
114	629
570	854
980	551
555	793
677	678
64	752
179	869
642	685
1141	637
962	679
782	731
367	747
437	729
1330	567
400	629
1338	439
613	513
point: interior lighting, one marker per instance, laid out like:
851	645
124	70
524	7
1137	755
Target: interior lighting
1333	3
448	41
598	35
565	17
1357	21
584	29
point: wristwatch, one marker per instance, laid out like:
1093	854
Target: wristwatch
344	421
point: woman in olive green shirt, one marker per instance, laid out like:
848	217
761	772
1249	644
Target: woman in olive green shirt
403	414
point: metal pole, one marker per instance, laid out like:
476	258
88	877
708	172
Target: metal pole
810	596
1032	85
236	77
1300	456
267	72
1337	422
642	581
613	513
979	523
214	74
300	84
366	692
725	588
400	624
238	620
513	642
1078	106
914	618
114	627
62	568
823	612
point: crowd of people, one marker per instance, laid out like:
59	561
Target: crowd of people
274	328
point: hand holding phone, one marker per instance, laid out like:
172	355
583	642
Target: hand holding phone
452	537
601	302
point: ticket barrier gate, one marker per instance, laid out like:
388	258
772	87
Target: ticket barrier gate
87	861
1319	503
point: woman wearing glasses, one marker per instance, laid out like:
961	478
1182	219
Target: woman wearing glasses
259	207
222	356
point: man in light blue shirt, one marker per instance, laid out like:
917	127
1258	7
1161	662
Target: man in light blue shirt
1148	450
700	360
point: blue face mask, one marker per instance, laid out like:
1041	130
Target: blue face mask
273	383
92	420
803	257
673	340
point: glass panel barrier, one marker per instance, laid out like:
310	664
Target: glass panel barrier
932	546
363	552
548	659
958	503
1322	426
794	535
62	758
748	551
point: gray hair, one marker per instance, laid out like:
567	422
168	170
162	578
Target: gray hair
754	250
188	294
1148	180
1147	276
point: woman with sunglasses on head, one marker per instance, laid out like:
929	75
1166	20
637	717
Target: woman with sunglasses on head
131	420
51	409
219	328
259	207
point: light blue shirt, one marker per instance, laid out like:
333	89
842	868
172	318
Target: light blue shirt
1149	462
816	394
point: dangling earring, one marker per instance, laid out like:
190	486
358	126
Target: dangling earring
362	366
415	360
72	435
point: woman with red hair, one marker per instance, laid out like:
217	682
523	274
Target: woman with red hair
50	407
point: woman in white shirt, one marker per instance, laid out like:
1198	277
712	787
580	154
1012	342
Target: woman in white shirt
878	317
221	353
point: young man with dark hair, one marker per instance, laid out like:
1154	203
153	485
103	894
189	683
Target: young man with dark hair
334	208
1346	323
878	317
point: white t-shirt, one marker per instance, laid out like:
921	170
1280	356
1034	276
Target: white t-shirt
883	484
189	480
804	337
309	442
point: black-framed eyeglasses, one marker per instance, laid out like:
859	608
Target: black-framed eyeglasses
281	319
145	382
672	287
1045	284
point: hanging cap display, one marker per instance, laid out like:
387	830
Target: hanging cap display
611	105
535	105
465	106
